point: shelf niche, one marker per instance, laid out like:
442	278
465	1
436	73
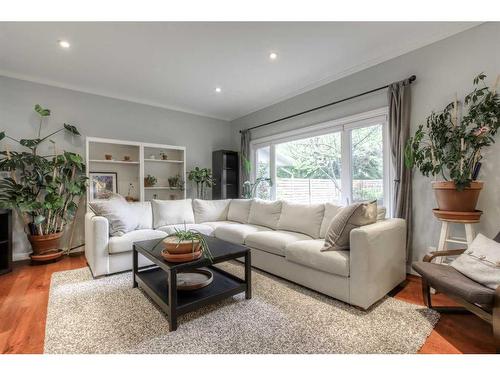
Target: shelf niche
145	159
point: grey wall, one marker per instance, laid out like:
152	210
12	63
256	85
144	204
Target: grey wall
442	69
99	116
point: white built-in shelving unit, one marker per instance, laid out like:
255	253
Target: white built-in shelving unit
144	159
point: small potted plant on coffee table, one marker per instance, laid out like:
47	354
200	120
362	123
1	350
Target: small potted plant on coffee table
185	245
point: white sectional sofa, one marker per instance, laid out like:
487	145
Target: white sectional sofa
285	239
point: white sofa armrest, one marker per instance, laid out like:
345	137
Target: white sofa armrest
96	243
377	260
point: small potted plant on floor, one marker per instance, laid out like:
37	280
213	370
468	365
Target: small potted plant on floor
450	147
43	189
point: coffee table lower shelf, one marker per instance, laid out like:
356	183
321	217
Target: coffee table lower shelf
154	282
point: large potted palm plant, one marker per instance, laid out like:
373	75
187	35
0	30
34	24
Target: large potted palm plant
451	147
43	189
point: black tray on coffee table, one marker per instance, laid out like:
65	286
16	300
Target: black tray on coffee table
160	281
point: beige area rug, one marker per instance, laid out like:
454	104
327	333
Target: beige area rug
108	316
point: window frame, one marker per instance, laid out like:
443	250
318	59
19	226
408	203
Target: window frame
344	125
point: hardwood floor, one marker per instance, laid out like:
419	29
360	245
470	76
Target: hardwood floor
24	295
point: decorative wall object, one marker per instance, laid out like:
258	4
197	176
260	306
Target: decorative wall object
102	185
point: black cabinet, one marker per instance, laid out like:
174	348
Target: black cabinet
5	241
225	169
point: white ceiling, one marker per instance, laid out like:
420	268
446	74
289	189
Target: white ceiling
178	65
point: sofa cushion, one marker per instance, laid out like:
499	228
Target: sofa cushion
202	228
265	213
239	209
216	224
205	210
118	212
350	217
172	212
307	253
236	233
144	214
301	218
125	243
274	241
331	210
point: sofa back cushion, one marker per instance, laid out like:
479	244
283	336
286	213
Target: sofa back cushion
331	210
210	210
301	218
239	210
172	212
265	213
144	214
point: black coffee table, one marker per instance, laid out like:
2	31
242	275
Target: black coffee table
160	281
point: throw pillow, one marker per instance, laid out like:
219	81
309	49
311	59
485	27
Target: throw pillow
480	262
116	209
349	217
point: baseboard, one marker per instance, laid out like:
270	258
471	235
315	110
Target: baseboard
17	257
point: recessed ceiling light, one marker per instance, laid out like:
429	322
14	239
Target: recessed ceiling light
273	55
64	44
218	89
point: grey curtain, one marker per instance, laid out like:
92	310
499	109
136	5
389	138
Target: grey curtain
244	156
399	98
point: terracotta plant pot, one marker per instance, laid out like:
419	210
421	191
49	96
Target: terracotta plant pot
450	199
180	258
173	246
45	243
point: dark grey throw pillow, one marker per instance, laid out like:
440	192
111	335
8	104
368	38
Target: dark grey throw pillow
349	217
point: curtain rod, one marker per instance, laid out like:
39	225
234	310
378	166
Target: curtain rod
410	79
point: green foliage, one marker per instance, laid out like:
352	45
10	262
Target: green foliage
150	180
446	146
193	236
250	188
42	188
43	112
202	177
72	129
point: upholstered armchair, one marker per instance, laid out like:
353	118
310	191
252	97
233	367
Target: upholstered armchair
472	296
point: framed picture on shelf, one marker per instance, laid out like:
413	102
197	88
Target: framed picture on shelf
102	185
